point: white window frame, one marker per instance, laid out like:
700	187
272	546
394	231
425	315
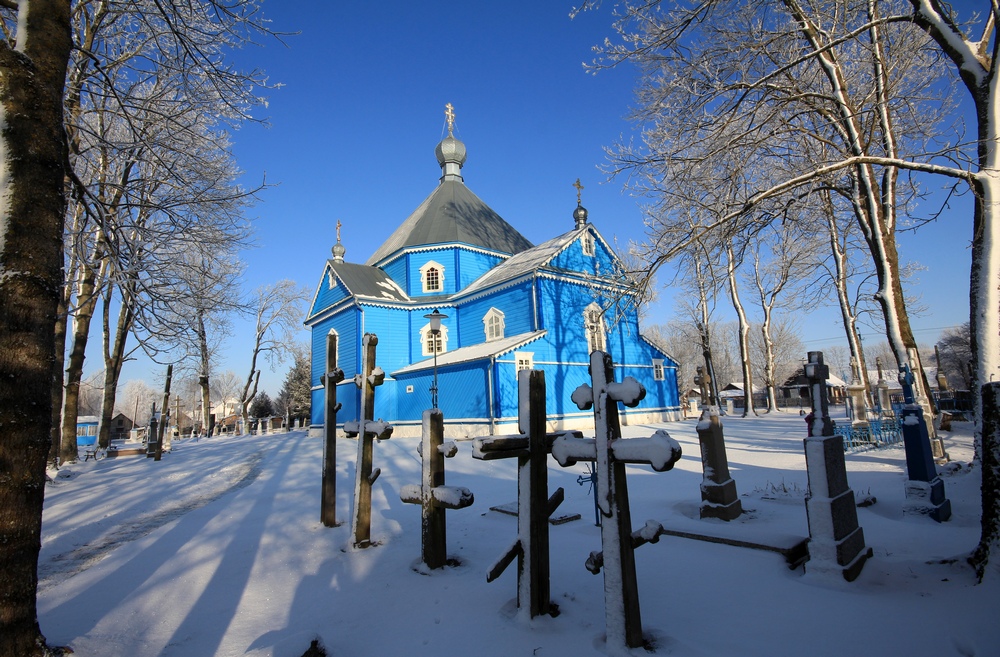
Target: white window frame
425	269
494	319
593	328
658	372
587	244
425	338
524	360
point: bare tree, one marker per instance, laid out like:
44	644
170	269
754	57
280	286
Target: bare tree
278	315
955	348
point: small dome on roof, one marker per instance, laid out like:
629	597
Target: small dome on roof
580	215
450	150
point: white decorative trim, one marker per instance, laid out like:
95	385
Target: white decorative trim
494	314
425	269
424	339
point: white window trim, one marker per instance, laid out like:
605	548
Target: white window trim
587	244
658	371
423	276
424	339
595	342
526	357
491	314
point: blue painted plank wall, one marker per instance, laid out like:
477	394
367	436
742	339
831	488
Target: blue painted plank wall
325	295
472	265
514	302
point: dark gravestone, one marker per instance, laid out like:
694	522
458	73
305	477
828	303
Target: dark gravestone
924	488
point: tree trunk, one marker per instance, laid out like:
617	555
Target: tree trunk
743	333
86	300
32	159
114	358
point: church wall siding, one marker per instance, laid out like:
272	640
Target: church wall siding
327	296
345	323
472	265
513	302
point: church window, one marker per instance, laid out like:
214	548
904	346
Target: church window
587	241
593	319
657	369
494	325
525	360
429	342
432	277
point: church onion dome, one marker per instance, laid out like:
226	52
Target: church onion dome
338	252
580	215
450	154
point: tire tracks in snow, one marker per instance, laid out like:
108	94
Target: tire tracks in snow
61	567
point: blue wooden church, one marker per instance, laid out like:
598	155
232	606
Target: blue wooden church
509	305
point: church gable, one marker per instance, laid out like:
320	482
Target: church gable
587	253
329	291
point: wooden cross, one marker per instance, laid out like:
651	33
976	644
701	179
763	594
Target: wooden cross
534	506
433	496
366	429
329	381
449	115
611	452
579	188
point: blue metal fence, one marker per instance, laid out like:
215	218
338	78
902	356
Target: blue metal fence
879	433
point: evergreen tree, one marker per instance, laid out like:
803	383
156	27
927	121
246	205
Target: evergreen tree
295	398
262	406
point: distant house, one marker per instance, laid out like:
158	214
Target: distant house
795	390
86	429
121	427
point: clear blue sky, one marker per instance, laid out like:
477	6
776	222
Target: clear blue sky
354	126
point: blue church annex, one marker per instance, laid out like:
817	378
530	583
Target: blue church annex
509	305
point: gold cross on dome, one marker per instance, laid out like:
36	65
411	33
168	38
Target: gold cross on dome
449	115
338	229
579	188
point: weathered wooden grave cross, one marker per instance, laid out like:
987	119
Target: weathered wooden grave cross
329	380
366	429
611	452
433	496
534	506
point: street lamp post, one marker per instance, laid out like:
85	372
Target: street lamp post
435	320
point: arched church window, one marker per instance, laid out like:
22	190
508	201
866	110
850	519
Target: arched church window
432	277
429	342
587	241
493	324
593	323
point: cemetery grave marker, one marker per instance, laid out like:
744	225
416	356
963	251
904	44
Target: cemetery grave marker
836	541
366	429
611	452
534	506
329	380
432	494
718	490
924	488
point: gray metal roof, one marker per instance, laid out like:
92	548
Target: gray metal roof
452	213
474	352
524	262
370	282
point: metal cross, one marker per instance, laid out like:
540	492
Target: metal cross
338	230
579	188
449	115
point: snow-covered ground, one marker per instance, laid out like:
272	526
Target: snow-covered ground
218	550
